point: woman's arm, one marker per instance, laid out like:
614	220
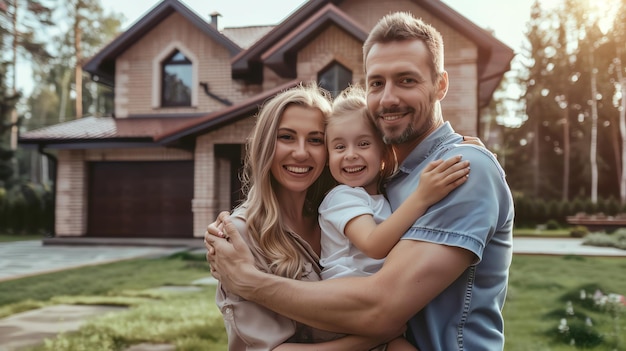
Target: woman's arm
247	323
438	180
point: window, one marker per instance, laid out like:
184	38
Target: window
176	80
335	78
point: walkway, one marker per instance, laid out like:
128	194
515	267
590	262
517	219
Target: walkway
24	258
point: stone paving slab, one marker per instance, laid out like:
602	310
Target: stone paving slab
562	246
24	258
152	347
32	327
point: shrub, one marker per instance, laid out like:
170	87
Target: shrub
553	224
579	231
616	239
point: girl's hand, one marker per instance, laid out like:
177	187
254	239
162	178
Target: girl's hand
440	177
475	141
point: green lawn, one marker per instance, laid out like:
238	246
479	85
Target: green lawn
547	233
12	237
540	287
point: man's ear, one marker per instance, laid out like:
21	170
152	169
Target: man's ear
442	85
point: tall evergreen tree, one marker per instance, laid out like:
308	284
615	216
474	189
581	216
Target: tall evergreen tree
51	101
7	104
19	21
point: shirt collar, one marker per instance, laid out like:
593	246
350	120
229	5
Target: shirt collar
426	147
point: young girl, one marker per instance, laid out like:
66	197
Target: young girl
358	227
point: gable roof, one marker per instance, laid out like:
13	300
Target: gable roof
277	47
246	36
494	57
102	65
277	56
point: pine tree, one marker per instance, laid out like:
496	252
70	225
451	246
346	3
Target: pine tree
7	103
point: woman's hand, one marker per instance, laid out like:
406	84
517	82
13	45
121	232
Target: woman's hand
215	229
227	253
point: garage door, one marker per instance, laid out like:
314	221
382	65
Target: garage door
140	199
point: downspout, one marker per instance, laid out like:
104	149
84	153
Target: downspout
54	162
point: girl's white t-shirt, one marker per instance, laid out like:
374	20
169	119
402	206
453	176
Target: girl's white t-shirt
340	258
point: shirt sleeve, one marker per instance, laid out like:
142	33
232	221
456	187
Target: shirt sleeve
344	203
470	215
250	326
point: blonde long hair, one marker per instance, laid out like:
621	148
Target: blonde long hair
263	215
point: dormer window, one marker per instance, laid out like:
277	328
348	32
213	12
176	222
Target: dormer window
176	80
335	78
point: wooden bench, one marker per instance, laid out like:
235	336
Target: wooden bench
598	222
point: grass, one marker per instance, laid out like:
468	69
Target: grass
546	233
539	289
19	237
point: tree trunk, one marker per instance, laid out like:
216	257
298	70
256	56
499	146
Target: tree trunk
566	154
535	162
78	70
594	132
65	82
622	126
13	137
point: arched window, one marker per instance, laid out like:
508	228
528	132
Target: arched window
176	80
335	78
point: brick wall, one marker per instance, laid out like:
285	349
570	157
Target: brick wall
212	174
332	44
71	196
137	70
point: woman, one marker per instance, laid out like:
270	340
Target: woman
285	180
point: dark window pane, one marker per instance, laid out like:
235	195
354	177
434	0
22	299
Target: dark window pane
176	80
335	78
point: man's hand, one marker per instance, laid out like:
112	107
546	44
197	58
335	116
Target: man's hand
227	253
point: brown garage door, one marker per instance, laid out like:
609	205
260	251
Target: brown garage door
140	199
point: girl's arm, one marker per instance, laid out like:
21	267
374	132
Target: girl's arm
437	180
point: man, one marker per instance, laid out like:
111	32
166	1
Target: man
448	275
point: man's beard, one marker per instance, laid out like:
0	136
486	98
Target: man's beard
410	133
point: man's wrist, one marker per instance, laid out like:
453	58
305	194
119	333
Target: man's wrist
250	278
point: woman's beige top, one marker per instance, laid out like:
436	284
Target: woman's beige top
253	327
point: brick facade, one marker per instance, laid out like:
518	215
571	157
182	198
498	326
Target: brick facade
136	71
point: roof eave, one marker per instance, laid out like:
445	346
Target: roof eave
241	66
281	57
220	118
79	144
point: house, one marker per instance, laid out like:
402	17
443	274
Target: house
185	98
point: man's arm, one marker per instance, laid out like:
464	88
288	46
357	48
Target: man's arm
379	305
